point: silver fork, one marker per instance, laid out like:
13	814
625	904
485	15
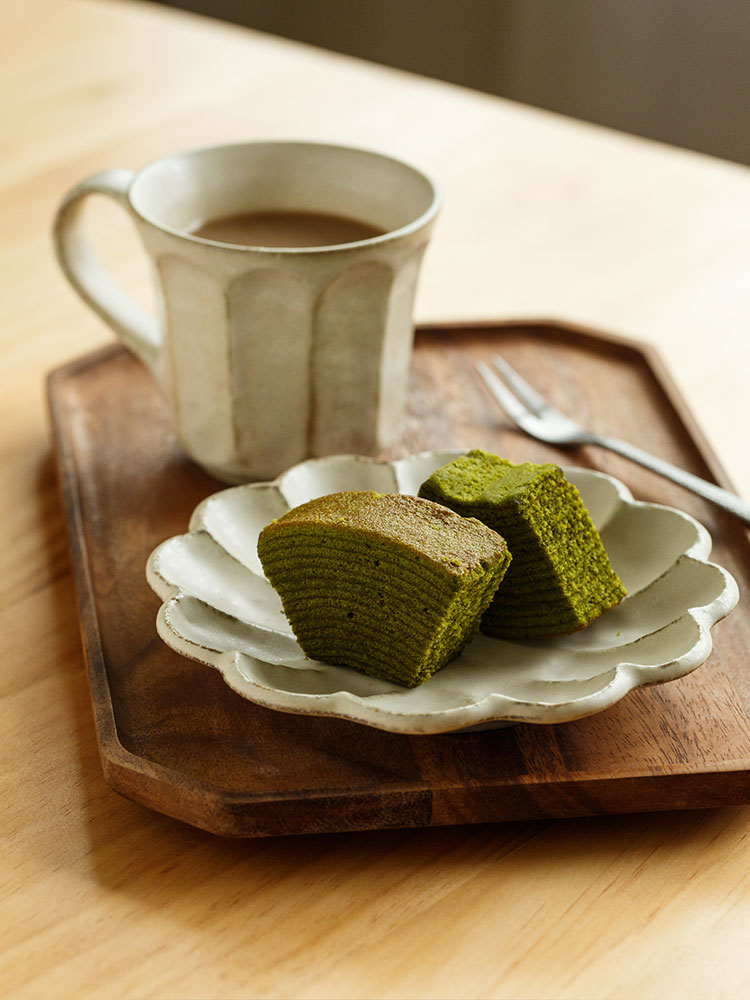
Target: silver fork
534	415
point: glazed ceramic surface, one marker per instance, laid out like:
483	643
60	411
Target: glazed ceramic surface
220	610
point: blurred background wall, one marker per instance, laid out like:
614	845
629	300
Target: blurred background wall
673	70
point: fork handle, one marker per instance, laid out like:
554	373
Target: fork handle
709	491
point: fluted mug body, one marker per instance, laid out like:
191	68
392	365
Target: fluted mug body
268	355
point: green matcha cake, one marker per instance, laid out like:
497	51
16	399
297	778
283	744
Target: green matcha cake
560	579
389	584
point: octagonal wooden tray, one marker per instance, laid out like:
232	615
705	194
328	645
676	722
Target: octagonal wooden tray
174	737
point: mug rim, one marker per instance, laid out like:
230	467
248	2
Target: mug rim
416	224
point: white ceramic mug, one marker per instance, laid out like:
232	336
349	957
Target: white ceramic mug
266	356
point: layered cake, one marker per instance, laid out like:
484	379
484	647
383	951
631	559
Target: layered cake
561	578
389	584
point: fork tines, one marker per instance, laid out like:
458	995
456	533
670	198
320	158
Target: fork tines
518	402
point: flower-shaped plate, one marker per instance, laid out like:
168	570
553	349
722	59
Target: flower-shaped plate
220	610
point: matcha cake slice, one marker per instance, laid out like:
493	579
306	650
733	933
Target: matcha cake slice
389	584
560	579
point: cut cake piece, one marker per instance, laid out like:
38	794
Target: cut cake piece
390	584
561	578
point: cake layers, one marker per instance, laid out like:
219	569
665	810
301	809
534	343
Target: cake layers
560	578
389	584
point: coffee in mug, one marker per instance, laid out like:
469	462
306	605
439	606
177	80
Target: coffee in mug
285	229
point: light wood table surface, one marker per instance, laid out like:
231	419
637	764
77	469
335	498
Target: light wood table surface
543	217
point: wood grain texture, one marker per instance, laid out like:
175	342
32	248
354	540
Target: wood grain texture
174	737
543	216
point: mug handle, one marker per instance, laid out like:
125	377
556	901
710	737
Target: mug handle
82	267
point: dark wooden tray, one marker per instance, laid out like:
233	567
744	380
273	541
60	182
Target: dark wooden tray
175	738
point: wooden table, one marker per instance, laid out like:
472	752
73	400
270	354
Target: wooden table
543	217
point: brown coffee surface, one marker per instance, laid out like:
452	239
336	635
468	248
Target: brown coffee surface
285	229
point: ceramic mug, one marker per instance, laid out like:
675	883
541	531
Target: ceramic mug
266	355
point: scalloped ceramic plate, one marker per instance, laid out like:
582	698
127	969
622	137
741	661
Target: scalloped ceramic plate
220	610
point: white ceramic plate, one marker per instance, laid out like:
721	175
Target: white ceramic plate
220	610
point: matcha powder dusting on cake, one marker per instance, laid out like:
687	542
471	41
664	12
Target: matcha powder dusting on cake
389	584
561	578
